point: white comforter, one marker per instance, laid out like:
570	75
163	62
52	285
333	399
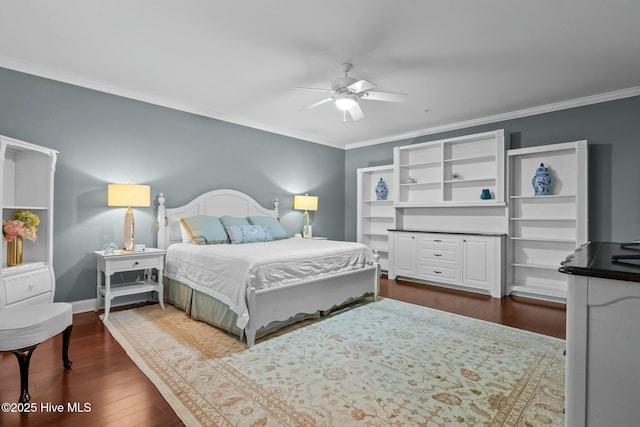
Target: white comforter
226	271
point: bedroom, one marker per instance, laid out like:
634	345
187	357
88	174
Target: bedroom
105	138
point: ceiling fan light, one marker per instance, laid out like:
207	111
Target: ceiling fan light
345	102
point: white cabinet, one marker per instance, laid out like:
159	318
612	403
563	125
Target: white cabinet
405	251
375	217
472	262
451	172
476	253
603	343
544	229
27	183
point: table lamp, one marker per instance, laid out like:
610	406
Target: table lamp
128	195
306	203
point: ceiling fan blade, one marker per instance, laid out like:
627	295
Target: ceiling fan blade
384	96
361	86
313	88
356	112
317	103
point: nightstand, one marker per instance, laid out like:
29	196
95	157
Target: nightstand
122	261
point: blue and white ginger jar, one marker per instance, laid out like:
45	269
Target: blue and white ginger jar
542	181
381	190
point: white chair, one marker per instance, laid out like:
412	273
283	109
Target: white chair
23	327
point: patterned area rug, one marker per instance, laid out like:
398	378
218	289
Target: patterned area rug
386	363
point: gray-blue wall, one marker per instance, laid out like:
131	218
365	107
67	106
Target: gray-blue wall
612	130
109	139
104	138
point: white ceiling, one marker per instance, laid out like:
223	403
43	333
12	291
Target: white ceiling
461	61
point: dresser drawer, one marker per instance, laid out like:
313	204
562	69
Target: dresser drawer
135	264
28	285
437	240
439	272
445	254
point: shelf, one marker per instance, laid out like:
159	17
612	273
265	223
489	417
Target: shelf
421	164
537	266
489	157
451	204
551	196
421	184
31	208
376	234
378	217
543	239
455	181
379	202
131	288
543	219
22	268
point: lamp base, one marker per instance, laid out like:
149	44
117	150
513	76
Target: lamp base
306	228
307	232
129	227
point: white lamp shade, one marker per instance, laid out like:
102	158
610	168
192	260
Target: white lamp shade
305	203
128	195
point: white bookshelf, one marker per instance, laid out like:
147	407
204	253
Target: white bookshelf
543	230
27	182
451	172
375	217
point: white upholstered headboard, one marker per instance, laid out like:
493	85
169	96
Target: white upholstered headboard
216	203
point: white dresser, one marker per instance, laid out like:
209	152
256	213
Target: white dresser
465	260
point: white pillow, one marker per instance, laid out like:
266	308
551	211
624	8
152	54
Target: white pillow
183	232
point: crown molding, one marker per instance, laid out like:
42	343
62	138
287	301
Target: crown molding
548	108
76	80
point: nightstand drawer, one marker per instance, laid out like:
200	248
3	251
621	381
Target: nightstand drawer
27	285
135	264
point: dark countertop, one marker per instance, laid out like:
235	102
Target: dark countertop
468	233
595	259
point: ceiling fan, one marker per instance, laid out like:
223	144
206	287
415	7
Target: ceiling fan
348	91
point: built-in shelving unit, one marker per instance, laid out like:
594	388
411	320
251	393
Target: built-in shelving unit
375	217
27	183
543	230
451	172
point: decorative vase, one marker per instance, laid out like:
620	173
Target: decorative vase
381	190
14	252
542	181
486	194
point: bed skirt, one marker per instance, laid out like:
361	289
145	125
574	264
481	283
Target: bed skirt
209	310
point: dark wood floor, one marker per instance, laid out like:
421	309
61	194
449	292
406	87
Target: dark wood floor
119	394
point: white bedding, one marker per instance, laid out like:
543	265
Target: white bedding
226	271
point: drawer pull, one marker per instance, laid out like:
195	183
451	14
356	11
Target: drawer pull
437	254
136	263
437	272
437	240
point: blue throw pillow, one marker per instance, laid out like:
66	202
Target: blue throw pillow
204	230
272	224
227	220
248	234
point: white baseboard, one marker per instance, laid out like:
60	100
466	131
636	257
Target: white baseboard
86	305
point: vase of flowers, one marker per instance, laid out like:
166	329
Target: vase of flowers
22	225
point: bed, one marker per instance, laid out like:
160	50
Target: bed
253	289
